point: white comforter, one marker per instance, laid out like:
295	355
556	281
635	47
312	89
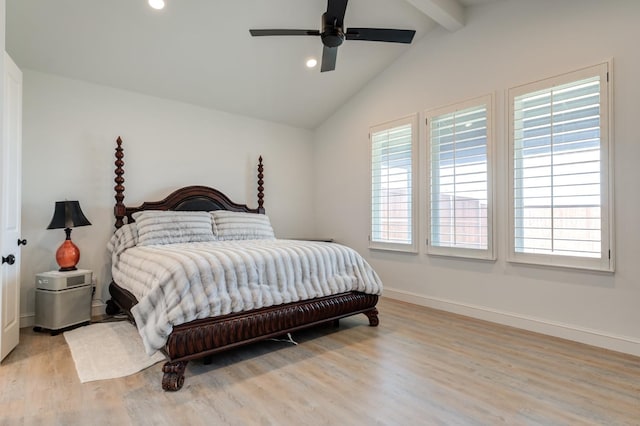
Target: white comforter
177	283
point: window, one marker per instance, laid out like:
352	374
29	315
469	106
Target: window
393	206
560	186
460	159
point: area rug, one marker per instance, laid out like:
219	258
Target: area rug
108	350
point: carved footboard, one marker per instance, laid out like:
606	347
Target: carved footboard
205	337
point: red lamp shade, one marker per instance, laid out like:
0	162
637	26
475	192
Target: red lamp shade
67	215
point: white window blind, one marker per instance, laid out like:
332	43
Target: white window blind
460	195
392	185
559	193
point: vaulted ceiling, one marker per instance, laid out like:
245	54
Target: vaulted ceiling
200	51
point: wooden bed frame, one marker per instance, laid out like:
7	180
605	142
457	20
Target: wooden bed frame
205	337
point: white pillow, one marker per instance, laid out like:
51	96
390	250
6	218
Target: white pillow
241	226
124	238
170	227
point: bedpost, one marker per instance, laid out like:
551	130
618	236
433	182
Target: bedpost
260	187
119	209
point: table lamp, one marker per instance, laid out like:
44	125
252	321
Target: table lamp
67	215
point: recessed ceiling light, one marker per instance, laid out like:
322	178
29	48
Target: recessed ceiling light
156	4
312	62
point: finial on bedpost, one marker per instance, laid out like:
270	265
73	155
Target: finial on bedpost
260	187
119	209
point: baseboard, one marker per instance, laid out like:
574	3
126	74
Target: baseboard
597	338
27	320
98	308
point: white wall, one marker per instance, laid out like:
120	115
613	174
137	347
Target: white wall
503	45
69	133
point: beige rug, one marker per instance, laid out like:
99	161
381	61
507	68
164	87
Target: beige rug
108	350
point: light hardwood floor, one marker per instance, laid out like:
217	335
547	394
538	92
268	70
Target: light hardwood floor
420	366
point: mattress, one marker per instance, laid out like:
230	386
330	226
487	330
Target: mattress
178	283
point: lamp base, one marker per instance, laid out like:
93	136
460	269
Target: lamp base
70	268
67	255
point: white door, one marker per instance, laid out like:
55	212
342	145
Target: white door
10	201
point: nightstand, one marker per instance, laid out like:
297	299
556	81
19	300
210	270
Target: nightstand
63	299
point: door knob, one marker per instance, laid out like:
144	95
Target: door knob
23	242
11	259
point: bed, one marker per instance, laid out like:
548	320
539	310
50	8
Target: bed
247	313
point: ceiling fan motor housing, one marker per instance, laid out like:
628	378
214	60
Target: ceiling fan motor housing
332	34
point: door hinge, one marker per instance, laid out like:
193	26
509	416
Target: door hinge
609	254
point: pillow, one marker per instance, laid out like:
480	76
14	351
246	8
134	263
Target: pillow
170	227
241	226
124	238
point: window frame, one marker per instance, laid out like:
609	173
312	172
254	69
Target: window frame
412	247
482	254
606	261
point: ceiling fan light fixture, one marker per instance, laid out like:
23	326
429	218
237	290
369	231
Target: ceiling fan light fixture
311	62
333	33
156	4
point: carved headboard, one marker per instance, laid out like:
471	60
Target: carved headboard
189	198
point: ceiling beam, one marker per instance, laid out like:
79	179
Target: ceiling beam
448	13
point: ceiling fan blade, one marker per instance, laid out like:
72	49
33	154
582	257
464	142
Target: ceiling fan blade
329	55
380	34
257	33
336	9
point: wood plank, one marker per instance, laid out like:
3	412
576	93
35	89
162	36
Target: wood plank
420	366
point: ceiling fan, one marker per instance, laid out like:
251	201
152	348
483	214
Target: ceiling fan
333	33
